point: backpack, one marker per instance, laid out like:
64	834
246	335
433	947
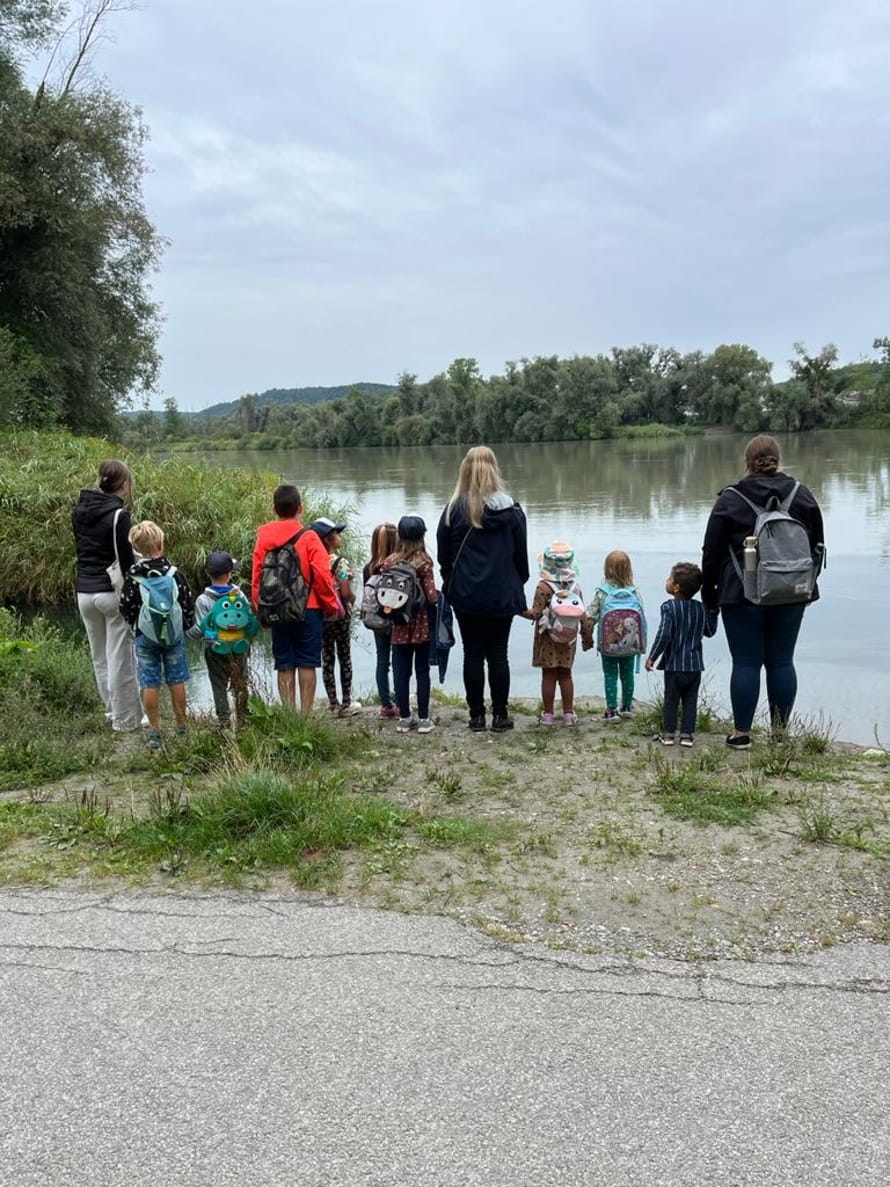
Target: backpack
399	594
283	590
621	630
160	615
563	616
371	612
784	571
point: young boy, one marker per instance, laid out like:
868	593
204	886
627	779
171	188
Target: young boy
678	645
225	622
336	633
157	604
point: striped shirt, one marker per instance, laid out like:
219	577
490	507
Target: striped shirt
678	643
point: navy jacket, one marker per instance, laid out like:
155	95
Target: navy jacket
484	569
93	519
732	520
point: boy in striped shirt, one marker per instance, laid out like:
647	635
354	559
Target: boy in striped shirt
678	648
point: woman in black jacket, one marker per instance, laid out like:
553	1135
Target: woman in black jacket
758	636
101	525
483	558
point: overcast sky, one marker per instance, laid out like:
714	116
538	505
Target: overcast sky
353	189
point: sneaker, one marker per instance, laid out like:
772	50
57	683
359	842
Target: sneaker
627	711
500	723
612	716
477	724
406	724
570	718
389	711
425	726
154	739
740	742
665	739
545	719
181	731
351	709
333	706
686	739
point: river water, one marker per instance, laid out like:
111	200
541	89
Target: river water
652	499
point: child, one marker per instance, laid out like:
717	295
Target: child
383	542
226	624
621	636
336	633
678	645
157	604
411	641
555	659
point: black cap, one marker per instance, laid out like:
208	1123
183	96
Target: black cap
412	527
221	562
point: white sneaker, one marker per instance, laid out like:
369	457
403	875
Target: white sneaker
351	709
425	726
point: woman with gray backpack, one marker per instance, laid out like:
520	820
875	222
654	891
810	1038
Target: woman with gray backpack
762	553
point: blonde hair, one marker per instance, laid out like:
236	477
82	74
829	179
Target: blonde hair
479	477
147	538
617	569
383	542
412	552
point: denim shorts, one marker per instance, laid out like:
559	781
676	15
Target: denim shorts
151	658
297	644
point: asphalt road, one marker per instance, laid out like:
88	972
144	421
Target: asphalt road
232	1039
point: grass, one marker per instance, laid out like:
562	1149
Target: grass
698	793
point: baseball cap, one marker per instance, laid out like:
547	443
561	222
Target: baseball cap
323	527
221	562
412	527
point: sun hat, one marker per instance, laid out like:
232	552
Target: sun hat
557	562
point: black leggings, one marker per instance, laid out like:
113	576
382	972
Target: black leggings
485	642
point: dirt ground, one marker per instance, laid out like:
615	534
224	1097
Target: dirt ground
581	851
590	860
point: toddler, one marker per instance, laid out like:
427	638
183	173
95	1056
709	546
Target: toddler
553	649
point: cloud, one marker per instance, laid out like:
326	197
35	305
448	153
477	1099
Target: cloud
352	189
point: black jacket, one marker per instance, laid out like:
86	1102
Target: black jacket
92	519
484	569
732	520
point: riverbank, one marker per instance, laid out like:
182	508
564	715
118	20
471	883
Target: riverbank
593	838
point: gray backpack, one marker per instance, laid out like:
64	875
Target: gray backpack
784	570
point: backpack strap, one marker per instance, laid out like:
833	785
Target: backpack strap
757	510
785	504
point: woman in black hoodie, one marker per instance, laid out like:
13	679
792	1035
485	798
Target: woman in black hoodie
101	525
483	559
758	636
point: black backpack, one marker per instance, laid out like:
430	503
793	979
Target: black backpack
284	591
399	594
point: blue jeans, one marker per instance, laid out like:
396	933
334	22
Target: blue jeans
762	637
383	643
406	656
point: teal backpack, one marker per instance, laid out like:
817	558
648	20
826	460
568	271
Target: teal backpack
160	615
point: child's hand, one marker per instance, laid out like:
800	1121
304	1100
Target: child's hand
586	644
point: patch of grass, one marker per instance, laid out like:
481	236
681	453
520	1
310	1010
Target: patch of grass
614	839
817	822
690	792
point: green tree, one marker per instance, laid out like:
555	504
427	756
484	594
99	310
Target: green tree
816	373
175	423
76	246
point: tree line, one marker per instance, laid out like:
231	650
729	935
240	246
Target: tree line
552	399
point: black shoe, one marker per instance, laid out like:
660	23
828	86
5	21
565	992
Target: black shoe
501	722
740	742
477	724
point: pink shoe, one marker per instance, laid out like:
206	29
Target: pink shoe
570	718
545	719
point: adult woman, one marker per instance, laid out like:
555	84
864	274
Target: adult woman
483	558
101	529
758	636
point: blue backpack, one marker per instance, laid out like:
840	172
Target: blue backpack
621	630
160	615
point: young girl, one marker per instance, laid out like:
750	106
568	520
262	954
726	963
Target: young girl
383	542
557	572
411	641
336	634
619	576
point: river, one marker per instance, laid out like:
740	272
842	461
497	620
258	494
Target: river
652	499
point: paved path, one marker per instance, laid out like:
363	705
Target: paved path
249	1040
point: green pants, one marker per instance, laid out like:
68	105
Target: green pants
615	670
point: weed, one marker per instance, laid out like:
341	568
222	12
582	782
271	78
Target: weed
817	822
615	839
688	792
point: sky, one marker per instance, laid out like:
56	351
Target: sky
351	190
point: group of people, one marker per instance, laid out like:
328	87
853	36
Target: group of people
482	555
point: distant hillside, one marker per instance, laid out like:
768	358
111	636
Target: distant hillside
298	395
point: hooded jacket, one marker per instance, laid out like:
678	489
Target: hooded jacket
92	519
484	569
731	520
